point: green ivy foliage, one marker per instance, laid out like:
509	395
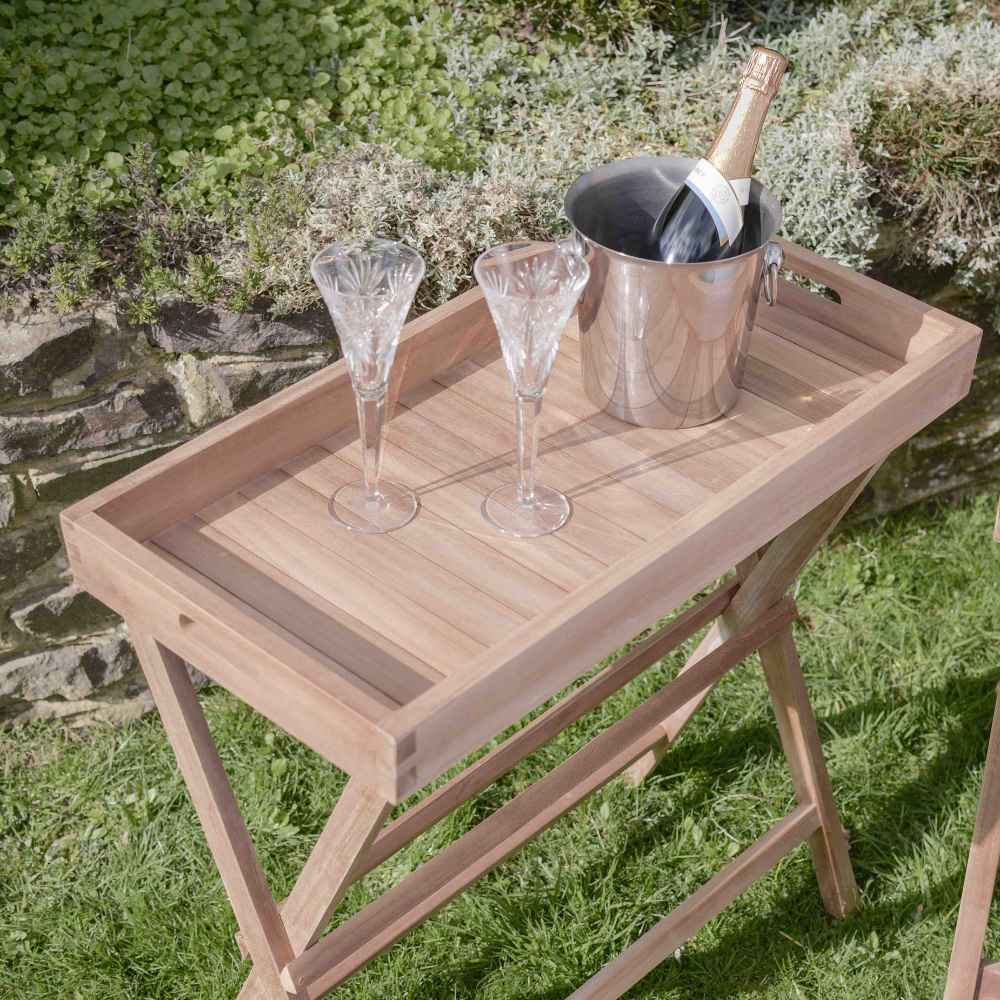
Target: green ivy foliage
604	21
216	87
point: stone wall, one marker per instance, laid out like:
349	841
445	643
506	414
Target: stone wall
85	399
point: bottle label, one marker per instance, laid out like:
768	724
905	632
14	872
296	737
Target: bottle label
742	188
719	198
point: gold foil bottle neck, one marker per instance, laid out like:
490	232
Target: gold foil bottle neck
734	147
764	71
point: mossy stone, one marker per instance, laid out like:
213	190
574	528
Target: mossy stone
26	548
141	404
62	611
37	350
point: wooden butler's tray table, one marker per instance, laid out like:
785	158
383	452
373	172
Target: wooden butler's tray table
395	656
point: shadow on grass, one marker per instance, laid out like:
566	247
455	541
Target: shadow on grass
885	825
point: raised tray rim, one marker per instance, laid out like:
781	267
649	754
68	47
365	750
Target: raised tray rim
402	749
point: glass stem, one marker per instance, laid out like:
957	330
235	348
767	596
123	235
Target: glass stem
528	410
371	420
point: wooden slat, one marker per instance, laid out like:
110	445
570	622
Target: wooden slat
628	516
789	392
453	536
634	448
760	416
714	455
570	355
441	493
738	451
392	613
383	668
439	567
818	372
448	475
700	907
827	342
457	460
368	933
559	429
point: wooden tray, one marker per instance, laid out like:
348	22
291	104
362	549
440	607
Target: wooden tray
396	655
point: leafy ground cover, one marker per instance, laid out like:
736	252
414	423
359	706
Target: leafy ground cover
473	121
228	81
223	87
107	889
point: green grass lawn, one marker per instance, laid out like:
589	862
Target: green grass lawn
108	890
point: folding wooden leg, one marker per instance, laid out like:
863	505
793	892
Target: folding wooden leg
333	866
964	981
289	957
764	586
218	811
365	935
480	775
815	820
800	739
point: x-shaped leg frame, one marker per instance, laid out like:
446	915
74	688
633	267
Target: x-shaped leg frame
290	957
766	576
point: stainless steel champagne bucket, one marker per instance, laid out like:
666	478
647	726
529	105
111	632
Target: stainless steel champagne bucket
664	345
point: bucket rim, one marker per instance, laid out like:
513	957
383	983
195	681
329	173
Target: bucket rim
691	265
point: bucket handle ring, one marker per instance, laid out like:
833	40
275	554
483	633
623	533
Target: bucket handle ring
774	258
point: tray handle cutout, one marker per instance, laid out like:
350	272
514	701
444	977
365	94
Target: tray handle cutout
856	305
828	284
204	637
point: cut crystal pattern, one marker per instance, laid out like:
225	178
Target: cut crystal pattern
530	292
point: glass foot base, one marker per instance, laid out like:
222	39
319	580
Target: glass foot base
395	507
502	511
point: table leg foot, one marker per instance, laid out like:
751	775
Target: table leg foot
804	753
334	864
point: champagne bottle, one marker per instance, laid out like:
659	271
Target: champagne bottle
704	220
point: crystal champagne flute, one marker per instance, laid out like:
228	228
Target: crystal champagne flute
530	296
368	286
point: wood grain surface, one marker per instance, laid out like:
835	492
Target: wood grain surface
432	639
